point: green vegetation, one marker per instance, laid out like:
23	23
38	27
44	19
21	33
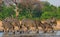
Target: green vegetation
50	11
30	11
6	12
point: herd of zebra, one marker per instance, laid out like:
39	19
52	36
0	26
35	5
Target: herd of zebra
9	24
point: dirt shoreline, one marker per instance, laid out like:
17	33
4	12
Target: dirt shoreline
56	28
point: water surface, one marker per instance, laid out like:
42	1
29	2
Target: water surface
41	34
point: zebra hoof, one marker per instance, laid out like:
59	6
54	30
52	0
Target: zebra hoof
45	31
13	32
52	31
37	31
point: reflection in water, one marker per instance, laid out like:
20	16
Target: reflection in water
1	34
58	33
30	35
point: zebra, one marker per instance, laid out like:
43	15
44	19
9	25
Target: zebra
28	23
10	23
50	23
6	24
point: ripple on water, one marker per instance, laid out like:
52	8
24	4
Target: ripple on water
34	35
1	34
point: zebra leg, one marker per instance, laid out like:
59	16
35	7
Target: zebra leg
13	30
52	29
37	30
28	29
45	30
4	30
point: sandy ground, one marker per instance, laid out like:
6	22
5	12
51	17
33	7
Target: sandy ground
1	28
56	27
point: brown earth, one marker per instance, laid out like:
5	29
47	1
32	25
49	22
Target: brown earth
1	28
56	27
